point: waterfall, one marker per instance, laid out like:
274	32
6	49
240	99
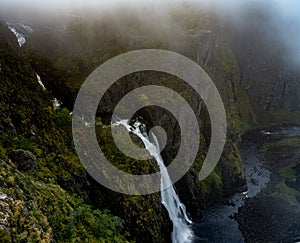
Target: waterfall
40	81
182	232
56	103
20	37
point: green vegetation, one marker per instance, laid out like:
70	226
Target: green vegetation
287	183
287	193
284	188
212	183
42	211
48	202
284	116
247	115
57	199
288	142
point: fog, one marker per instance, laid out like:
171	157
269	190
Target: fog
284	14
288	22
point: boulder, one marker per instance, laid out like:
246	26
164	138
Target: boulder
24	159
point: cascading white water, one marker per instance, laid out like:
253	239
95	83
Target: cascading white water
182	232
20	37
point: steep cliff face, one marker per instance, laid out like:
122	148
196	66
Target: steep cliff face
64	55
31	125
216	57
205	46
43	188
268	74
63	69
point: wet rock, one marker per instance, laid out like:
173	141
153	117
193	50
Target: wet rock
289	182
254	181
2	129
24	159
4	211
12	128
229	202
2	196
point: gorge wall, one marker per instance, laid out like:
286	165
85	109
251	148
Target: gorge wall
269	72
64	55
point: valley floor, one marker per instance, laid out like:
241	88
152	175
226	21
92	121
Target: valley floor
274	215
270	210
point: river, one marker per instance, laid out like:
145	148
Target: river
218	223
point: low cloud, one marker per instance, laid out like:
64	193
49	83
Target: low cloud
284	15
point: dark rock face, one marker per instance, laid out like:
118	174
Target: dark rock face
273	216
268	75
12	128
228	177
209	51
279	222
25	160
254	181
266	79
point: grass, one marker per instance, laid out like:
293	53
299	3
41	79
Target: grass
284	191
285	116
288	173
288	142
213	181
247	115
287	193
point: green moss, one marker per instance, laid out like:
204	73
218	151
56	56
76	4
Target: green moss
287	142
247	115
284	116
117	158
4	236
212	182
236	161
45	204
3	155
43	211
285	191
288	173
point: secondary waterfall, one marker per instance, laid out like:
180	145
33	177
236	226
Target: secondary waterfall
182	232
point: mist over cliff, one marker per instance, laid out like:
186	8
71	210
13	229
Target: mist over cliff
248	48
283	16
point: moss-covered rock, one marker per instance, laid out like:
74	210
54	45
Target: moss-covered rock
34	211
34	205
206	46
45	199
25	160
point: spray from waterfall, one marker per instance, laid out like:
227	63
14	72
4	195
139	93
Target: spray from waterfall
182	232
